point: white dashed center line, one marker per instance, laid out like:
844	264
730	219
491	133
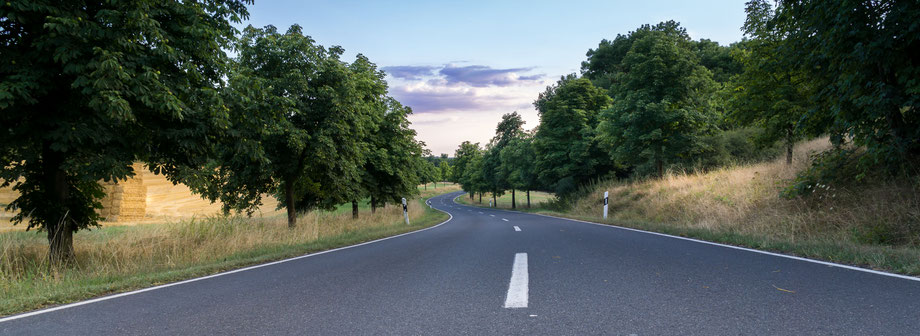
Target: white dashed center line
504	219
517	228
517	287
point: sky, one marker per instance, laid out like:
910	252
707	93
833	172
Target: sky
461	65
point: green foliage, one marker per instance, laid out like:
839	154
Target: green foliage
768	93
391	171
861	57
308	128
735	146
517	163
444	170
86	89
564	143
662	102
462	157
836	167
468	163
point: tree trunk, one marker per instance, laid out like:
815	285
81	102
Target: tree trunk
660	168
480	197
494	200
789	146
426	186
373	204
289	198
60	229
354	209
528	199
513	206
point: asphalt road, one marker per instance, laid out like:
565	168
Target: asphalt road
564	278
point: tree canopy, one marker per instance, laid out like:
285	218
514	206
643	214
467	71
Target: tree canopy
89	88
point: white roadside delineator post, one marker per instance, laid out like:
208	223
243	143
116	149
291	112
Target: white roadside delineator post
605	205
405	211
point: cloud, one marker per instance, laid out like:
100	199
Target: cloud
482	76
410	72
458	101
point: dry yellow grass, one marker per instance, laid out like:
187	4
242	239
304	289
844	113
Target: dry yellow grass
115	258
746	200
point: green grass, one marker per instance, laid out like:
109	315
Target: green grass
538	200
122	258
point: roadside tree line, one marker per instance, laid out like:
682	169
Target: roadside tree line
89	88
654	99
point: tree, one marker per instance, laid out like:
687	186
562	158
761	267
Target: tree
306	149
444	170
567	153
661	101
861	57
517	164
462	156
463	165
86	89
391	170
511	127
767	93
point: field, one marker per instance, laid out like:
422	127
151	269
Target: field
537	199
184	240
873	225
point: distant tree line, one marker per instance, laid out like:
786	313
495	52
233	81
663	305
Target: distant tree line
88	88
654	99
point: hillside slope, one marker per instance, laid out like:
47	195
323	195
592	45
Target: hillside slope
874	224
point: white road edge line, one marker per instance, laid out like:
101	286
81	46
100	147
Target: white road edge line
115	296
820	262
517	228
517	287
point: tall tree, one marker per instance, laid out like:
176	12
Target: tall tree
517	164
661	101
306	149
88	88
511	127
862	58
391	170
567	153
445	170
464	156
768	93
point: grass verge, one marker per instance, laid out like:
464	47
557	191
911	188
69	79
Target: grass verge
871	224
122	258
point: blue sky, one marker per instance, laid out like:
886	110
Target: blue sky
462	64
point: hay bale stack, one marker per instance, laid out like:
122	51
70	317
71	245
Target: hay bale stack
127	200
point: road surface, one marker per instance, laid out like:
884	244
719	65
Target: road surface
498	272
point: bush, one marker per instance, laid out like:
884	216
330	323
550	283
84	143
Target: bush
735	146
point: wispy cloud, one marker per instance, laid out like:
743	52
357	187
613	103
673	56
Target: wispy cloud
410	72
461	101
482	76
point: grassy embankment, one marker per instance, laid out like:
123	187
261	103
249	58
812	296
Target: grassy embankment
120	258
871	224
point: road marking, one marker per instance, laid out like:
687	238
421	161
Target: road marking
115	296
517	287
480	212
825	263
517	228
820	262
504	219
492	215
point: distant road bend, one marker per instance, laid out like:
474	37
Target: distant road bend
498	272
